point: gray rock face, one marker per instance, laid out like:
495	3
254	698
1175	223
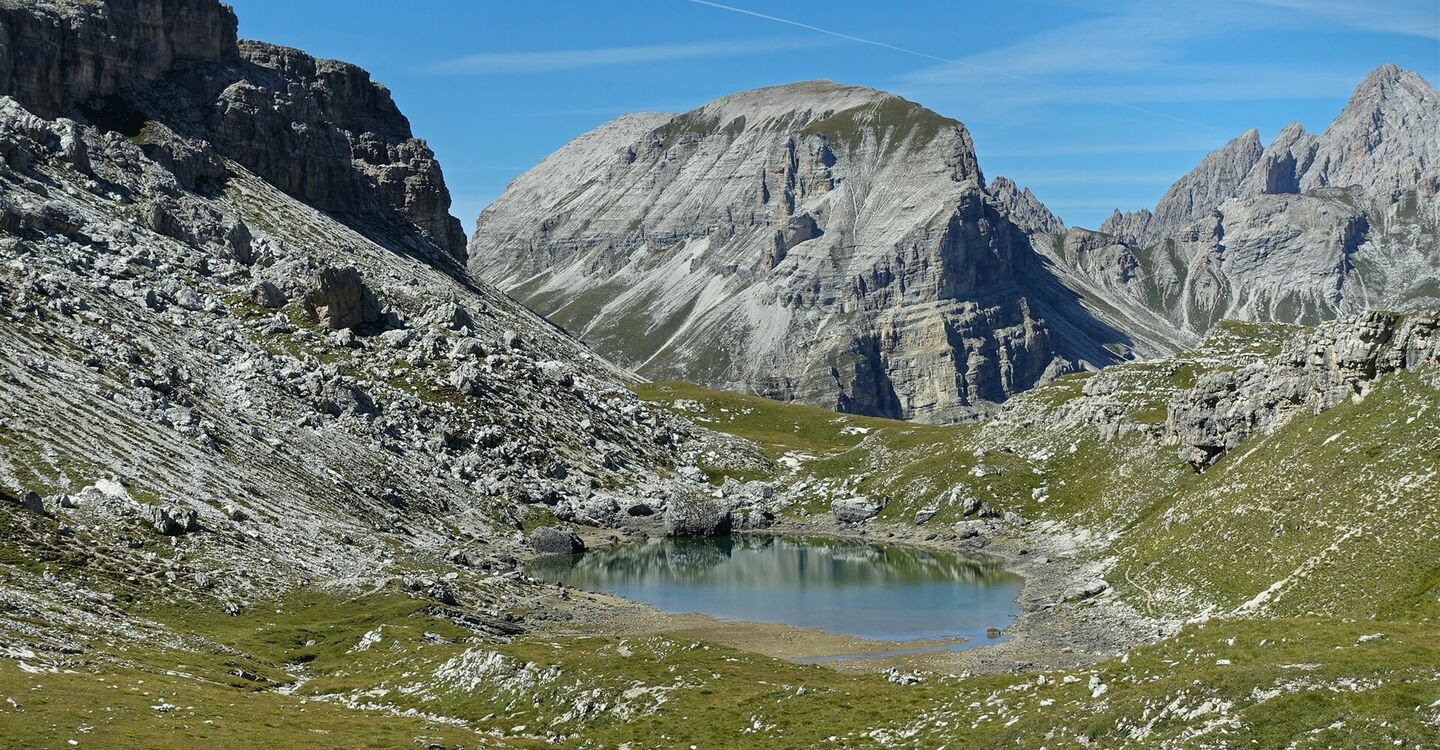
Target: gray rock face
173	521
856	509
1339	360
341	299
551	540
1216	179
1023	208
150	69
1316	227
1383	142
691	512
1087	590
815	242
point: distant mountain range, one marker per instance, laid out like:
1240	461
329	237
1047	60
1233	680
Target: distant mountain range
838	245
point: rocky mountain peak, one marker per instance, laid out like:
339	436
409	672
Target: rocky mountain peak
1215	179
818	98
1385	140
1023	207
1382	143
1389	83
814	241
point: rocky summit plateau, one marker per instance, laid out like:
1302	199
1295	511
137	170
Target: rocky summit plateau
813	242
712	435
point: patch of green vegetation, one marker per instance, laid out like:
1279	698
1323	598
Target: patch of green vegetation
891	120
1333	514
684	127
106	706
1307	683
734	127
778	427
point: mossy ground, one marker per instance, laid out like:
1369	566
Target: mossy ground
1265	683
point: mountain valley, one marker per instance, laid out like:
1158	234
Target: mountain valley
280	447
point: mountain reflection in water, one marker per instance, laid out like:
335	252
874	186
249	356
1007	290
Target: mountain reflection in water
842	586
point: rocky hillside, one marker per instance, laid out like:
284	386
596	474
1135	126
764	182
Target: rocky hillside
271	463
1310	228
816	242
210	380
320	130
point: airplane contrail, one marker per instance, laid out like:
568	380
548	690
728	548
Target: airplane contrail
935	58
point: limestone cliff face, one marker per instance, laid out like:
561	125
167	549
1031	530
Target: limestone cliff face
818	242
1315	227
319	129
1314	371
1024	209
1384	143
1215	179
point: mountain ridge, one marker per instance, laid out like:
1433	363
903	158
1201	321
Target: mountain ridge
842	251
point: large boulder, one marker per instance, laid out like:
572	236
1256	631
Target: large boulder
173	521
341	299
551	540
856	509
692	512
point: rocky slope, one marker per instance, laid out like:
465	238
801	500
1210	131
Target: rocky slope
1311	228
320	130
815	242
207	380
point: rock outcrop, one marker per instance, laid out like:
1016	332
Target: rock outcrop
549	540
856	509
1023	208
273	387
692	512
148	70
815	242
1337	361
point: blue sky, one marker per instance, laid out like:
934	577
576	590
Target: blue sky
1093	105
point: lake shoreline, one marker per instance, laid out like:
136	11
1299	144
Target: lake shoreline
1047	632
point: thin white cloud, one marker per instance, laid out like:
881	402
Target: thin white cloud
547	61
1099	149
1002	68
1141	52
1402	17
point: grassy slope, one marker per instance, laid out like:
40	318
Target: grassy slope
1319	683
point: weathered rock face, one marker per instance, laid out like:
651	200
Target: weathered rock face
691	512
549	540
280	389
1313	227
341	299
318	129
1338	360
856	509
1023	208
814	242
1216	179
1383	142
